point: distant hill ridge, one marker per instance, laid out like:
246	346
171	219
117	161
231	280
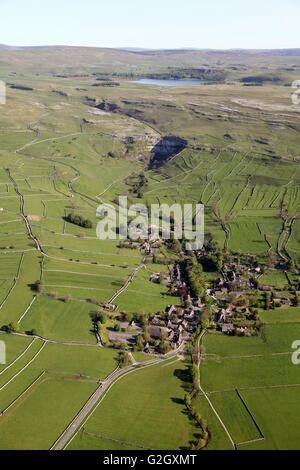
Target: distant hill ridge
45	58
287	51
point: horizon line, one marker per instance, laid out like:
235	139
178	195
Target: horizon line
137	49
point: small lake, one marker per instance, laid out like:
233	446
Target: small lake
165	82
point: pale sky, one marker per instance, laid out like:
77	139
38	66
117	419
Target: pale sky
216	24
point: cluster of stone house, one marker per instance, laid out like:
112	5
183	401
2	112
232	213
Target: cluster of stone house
282	300
174	326
157	276
223	316
238	275
110	307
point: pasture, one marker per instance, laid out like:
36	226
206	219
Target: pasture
38	422
152	412
275	410
63	321
268	390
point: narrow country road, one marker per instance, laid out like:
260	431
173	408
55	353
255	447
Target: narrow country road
128	281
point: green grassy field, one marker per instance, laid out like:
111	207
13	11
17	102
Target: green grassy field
278	339
282	315
60	360
136	301
235	416
15	346
275	411
64	321
269	388
39	429
87	442
140	357
152	412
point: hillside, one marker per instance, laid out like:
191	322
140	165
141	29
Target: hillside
62	57
77	313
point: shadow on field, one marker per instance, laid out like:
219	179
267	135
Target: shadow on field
167	147
117	283
185	377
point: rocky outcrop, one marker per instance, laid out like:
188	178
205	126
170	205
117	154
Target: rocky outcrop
61	93
105	106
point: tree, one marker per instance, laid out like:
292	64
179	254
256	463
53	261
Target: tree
195	373
194	273
98	327
117	327
187	400
290	264
163	347
266	301
139	343
80	220
38	287
124	359
128	317
204	318
146	335
103	317
203	424
144	319
213	261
